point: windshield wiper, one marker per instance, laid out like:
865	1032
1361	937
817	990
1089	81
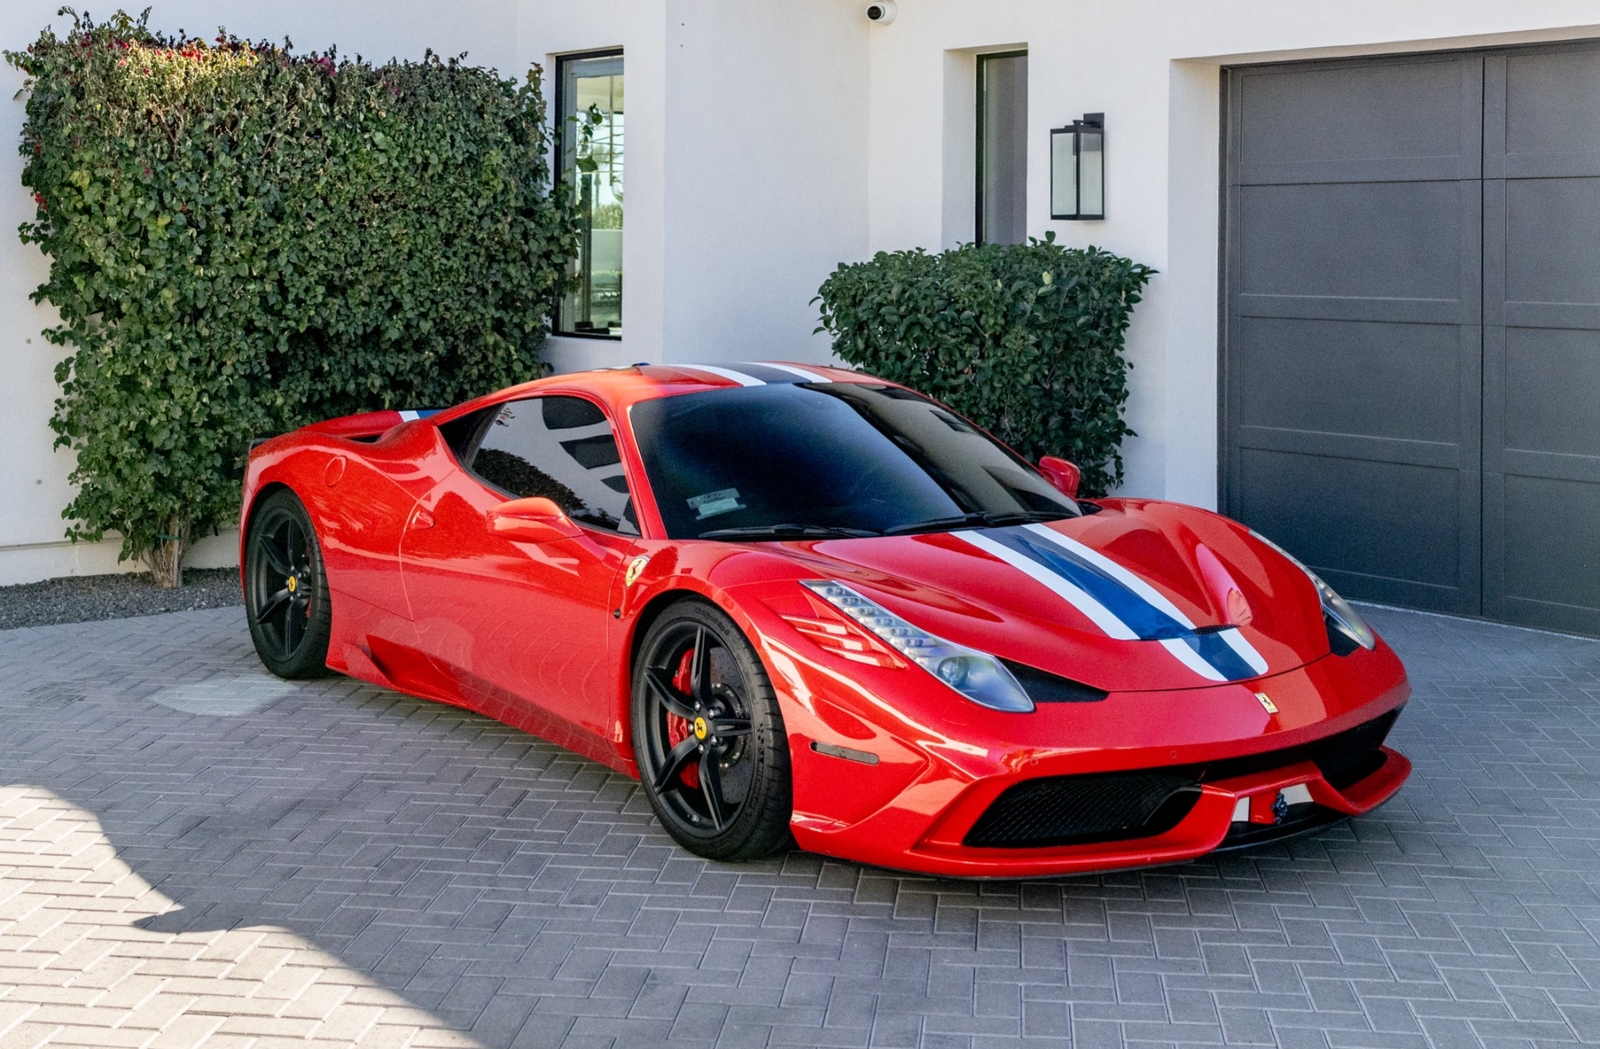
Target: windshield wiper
982	518
789	531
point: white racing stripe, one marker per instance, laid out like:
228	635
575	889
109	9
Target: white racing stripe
728	373
792	370
1098	613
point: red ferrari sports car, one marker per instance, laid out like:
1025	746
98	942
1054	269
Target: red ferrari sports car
800	602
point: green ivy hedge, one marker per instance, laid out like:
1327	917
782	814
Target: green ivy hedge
1024	339
243	239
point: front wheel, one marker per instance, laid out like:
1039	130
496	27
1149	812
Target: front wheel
709	738
286	589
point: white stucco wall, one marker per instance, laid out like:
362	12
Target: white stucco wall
546	29
745	174
1153	68
766	172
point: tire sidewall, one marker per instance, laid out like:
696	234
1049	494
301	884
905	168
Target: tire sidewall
762	824
310	659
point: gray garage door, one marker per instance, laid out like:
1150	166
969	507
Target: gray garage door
1411	364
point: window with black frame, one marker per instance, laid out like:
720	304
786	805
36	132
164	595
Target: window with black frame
1002	176
590	132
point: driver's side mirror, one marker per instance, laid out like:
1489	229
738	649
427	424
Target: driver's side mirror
1064	475
533	520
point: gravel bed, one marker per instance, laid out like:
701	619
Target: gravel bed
79	599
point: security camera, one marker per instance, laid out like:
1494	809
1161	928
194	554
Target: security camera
881	12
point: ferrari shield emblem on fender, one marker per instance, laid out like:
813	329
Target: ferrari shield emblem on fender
1266	703
635	569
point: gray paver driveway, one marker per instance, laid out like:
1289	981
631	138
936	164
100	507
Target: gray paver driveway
452	875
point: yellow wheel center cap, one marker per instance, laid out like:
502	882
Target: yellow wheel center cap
293	584
700	729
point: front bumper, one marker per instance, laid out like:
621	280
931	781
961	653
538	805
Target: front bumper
1193	771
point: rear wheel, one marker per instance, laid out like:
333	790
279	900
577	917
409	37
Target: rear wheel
286	589
709	737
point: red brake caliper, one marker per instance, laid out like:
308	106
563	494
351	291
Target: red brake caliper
678	729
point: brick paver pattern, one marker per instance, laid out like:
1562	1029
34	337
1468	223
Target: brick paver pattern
192	852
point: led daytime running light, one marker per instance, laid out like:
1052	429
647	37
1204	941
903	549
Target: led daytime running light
1336	608
976	675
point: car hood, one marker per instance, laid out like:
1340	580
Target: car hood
1141	595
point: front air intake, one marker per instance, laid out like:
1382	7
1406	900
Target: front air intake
1078	810
1125	806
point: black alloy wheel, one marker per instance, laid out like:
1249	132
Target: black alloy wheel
286	589
709	738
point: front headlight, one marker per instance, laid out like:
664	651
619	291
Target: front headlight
977	675
1340	615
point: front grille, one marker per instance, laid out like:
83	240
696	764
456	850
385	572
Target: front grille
1336	756
1125	806
1077	810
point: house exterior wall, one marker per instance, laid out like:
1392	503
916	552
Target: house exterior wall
769	140
1153	68
745	170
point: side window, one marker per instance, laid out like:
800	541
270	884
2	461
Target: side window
589	95
561	448
1002	205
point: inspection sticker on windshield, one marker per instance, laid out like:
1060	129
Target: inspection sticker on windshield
713	503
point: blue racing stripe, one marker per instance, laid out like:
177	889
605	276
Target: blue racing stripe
1146	621
1211	647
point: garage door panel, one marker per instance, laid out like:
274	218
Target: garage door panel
1301	241
1338	308
1552	549
1338	123
1551	238
1541	407
1391	380
1551	403
1540	117
1356	446
1384	531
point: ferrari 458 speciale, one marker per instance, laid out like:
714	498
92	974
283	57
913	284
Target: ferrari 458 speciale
803	604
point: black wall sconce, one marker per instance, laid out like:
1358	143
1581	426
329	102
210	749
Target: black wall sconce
1078	169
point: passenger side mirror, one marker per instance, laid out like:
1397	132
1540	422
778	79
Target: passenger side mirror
534	520
1064	475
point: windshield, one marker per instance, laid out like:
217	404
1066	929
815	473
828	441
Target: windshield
829	459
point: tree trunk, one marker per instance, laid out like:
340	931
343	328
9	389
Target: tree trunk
166	557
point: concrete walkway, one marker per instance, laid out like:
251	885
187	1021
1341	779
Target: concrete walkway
193	853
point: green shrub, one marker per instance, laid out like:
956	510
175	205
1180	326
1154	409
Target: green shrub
243	239
1026	340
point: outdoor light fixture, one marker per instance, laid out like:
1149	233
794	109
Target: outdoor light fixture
1078	169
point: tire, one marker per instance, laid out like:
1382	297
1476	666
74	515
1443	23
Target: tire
709	738
286	589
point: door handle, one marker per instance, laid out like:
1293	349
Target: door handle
421	519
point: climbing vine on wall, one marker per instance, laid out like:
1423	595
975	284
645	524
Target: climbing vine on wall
243	239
